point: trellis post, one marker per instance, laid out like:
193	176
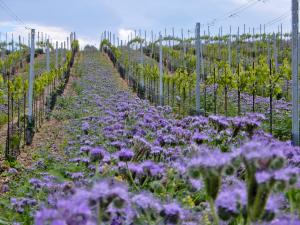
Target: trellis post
47	56
56	55
30	125
198	76
295	94
160	71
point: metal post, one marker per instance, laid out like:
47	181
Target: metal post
173	37
145	39
129	63
152	44
122	53
160	71
20	42
219	45
56	55
281	37
71	40
6	46
198	76
30	126
275	52
12	43
142	60
229	47
2	57
47	57
61	52
295	96
201	58
65	52
238	46
29	40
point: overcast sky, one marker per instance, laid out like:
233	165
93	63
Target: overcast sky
89	18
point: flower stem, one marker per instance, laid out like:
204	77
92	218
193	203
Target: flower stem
213	211
99	214
130	177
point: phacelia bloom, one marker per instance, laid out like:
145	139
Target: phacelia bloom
231	200
285	220
125	155
85	149
85	127
97	154
172	213
146	202
12	171
199	138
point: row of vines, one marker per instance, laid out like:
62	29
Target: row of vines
239	74
14	91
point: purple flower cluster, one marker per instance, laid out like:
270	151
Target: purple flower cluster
106	202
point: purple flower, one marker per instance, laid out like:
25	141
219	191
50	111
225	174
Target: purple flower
288	175
263	177
196	184
231	200
85	149
36	183
12	171
145	202
172	213
211	160
97	154
152	169
135	169
118	144
286	220
77	176
85	127
5	188
200	138
220	122
125	155
157	150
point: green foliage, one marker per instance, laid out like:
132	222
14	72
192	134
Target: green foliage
77	87
283	127
286	69
226	77
1	90
293	196
3	118
115	51
75	45
240	78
